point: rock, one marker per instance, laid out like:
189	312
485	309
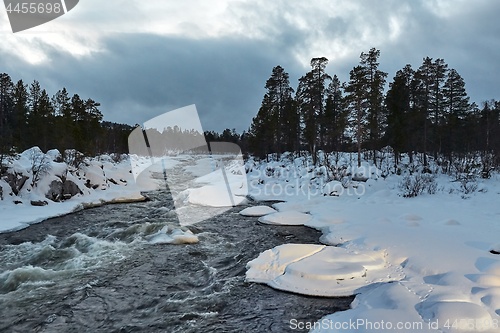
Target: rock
55	191
70	189
62	190
359	178
16	181
39	203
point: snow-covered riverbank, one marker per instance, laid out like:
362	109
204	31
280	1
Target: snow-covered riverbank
36	186
423	264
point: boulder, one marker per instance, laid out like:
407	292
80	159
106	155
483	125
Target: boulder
55	191
62	190
70	189
16	181
39	203
359	177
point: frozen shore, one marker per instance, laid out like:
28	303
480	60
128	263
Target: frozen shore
427	264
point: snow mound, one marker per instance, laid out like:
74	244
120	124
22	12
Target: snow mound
286	218
333	188
451	222
456	316
257	211
319	270
380	309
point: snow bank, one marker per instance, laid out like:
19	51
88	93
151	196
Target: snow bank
425	264
57	188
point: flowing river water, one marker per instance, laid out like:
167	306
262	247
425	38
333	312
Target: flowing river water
95	271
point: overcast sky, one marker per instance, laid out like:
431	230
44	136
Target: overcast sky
140	59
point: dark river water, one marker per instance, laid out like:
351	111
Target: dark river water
95	271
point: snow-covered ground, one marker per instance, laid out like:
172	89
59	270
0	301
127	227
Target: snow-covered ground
419	264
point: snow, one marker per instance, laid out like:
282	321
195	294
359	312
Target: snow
423	263
320	270
17	212
286	218
222	186
199	182
257	211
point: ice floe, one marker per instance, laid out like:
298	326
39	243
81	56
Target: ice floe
257	211
320	270
286	218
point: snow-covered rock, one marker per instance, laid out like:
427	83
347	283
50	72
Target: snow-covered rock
320	270
286	218
257	211
173	236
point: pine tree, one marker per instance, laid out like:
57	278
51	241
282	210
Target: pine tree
375	90
357	103
280	94
44	121
63	124
456	101
6	111
272	129
439	71
456	107
422	86
335	117
398	104
311	96
260	140
20	116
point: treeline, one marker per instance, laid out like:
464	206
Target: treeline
30	117
424	110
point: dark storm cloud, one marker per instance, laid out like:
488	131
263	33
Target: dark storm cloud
468	41
140	76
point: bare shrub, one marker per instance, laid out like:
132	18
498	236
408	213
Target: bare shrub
40	165
416	184
74	158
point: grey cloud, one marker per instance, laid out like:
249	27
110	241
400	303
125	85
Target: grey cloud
152	74
139	76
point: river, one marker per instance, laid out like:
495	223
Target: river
95	271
